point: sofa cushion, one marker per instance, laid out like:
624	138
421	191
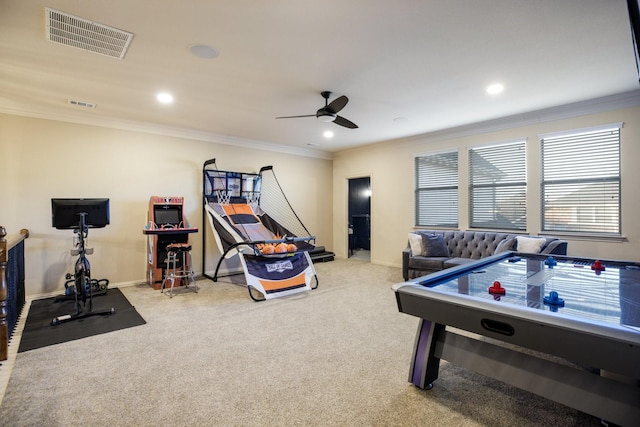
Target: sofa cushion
554	246
472	244
415	243
530	244
506	245
433	245
422	263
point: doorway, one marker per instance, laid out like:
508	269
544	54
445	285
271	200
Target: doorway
359	218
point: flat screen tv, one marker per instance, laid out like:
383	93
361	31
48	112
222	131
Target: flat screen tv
65	213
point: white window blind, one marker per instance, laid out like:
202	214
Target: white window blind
437	189
498	186
581	181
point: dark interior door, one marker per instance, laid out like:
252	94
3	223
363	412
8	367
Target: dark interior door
360	213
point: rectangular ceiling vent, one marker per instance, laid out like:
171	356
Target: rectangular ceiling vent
86	35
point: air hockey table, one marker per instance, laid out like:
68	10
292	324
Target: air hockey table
564	328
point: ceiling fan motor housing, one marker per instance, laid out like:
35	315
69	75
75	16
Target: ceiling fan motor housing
325	116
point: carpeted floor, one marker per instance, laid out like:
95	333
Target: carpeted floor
335	356
40	332
360	255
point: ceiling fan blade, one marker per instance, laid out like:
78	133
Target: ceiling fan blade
295	117
344	122
337	104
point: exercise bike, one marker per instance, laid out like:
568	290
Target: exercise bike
80	285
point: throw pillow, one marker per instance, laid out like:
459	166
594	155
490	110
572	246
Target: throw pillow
506	245
433	245
415	242
530	244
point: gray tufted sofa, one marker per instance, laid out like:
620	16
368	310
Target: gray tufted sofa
467	246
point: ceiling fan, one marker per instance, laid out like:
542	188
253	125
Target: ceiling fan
329	113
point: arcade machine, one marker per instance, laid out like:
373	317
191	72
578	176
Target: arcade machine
166	225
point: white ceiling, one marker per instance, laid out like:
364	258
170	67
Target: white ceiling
408	67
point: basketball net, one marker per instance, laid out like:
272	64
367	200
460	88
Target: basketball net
252	198
223	197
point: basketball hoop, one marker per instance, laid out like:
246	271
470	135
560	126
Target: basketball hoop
223	197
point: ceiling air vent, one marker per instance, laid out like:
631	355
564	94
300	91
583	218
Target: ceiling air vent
86	35
81	103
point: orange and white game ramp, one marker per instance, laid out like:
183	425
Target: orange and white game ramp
279	276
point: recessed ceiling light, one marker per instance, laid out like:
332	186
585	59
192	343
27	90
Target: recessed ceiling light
164	98
328	134
204	51
495	88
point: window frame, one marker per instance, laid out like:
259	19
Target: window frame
451	184
510	221
573	136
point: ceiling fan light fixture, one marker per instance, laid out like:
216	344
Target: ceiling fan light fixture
326	117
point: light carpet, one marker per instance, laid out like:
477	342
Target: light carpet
335	356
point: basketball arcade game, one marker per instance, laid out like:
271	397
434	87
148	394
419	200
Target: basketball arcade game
257	223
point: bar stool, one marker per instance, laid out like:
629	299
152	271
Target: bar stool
178	267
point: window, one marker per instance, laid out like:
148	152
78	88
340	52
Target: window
581	181
498	186
437	189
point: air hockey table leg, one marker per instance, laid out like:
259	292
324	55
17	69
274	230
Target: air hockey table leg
425	365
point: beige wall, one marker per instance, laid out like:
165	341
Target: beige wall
42	159
391	167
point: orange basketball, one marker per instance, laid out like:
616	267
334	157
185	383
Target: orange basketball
268	249
281	247
291	247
